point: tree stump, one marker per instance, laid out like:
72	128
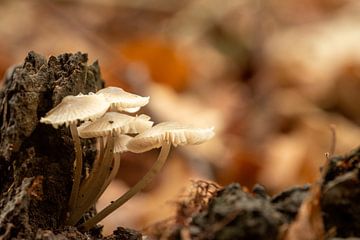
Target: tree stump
36	160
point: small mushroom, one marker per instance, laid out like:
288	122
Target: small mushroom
111	125
70	111
169	132
120	144
162	135
121	100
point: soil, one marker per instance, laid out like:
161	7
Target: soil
233	212
341	195
36	173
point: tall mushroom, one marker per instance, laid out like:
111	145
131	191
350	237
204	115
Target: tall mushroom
70	111
110	126
162	135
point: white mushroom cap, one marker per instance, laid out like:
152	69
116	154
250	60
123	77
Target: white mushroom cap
122	100
120	144
76	108
140	124
169	132
115	122
129	110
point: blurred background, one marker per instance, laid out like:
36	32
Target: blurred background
272	76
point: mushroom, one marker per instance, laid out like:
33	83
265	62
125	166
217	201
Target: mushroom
118	122
120	146
111	125
162	135
70	111
121	100
169	132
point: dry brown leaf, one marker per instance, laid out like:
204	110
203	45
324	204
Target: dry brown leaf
323	51
243	167
294	152
308	224
164	63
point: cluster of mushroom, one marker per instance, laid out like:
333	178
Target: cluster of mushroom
99	116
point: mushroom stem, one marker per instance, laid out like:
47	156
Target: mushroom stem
96	184
102	146
157	166
114	170
85	186
78	166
